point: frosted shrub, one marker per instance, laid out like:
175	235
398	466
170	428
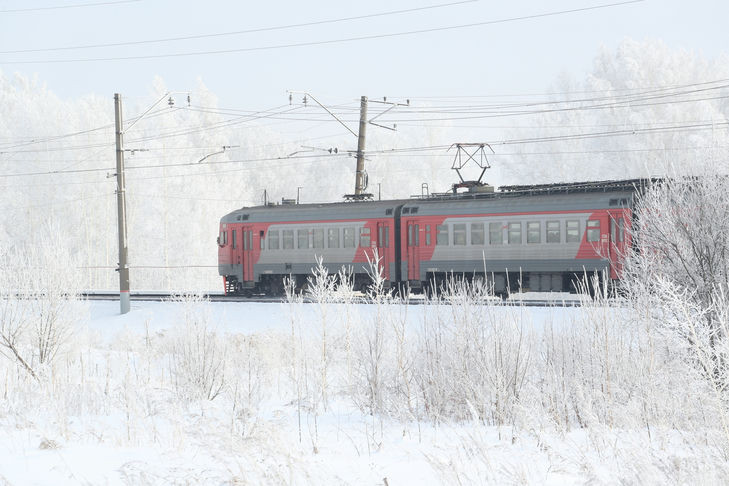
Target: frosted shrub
473	357
589	366
369	347
679	276
198	353
321	287
250	360
40	304
377	353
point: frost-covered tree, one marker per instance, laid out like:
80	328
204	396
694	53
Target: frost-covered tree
679	269
644	110
40	304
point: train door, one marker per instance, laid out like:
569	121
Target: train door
383	248
236	247
413	251
247	253
616	248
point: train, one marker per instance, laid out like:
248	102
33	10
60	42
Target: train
539	238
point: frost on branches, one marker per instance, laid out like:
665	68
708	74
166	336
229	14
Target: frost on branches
40	305
679	272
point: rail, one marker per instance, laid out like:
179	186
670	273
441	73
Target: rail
219	297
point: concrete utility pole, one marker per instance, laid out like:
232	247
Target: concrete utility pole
360	174
121	209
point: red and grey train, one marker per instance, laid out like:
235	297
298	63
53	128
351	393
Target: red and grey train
537	237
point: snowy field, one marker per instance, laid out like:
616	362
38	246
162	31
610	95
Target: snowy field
191	392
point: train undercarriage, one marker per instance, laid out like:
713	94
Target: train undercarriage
497	283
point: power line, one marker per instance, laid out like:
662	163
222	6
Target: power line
186	198
578	136
217	125
613	101
55	138
60	7
167	148
330	41
181	164
565	152
238	32
625	101
58	203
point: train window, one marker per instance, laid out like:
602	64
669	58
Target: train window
553	232
573	231
364	237
225	237
534	232
233	238
515	233
273	240
250	240
406	211
496	236
593	230
441	235
416	233
388	212
621	229
318	237
243	235
288	239
477	234
333	239
302	237
459	234
613	230
349	237
383	236
427	235
261	239
414	210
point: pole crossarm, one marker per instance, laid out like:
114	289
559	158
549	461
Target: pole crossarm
325	109
166	95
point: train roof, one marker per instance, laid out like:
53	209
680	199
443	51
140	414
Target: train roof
379	208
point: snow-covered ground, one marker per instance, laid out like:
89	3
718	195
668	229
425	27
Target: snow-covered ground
295	397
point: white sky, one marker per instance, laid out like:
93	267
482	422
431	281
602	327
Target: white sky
522	56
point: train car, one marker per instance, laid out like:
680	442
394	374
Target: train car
259	246
538	238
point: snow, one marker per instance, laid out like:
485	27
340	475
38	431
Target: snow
119	420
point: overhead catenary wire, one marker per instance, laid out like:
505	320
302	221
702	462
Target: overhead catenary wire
58	203
576	136
55	138
63	7
325	42
261	114
493	111
238	32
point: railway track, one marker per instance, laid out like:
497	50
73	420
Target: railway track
219	297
